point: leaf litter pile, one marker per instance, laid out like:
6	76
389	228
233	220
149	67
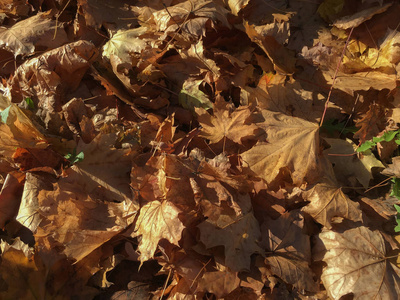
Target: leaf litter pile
197	149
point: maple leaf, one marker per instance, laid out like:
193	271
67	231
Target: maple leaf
393	169
292	143
356	263
36	31
328	201
237	234
157	220
288	250
223	123
369	123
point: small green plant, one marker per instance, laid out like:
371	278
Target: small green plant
397	228
333	125
386	137
73	158
30	103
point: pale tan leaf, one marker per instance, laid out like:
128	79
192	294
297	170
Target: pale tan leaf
225	123
292	143
26	35
349	165
356	264
157	221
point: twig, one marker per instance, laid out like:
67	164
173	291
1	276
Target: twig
335	76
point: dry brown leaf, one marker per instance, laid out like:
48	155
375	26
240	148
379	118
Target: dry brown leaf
347	165
18	131
112	15
10	196
157	220
22	273
292	144
282	58
327	202
394	168
237	5
238	235
36	31
360	17
220	283
104	169
288	250
49	76
356	264
225	123
369	123
81	222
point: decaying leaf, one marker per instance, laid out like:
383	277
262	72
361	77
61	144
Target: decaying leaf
356	264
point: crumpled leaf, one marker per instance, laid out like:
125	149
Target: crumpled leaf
26	35
238	235
191	96
288	250
225	123
351	166
46	78
292	143
327	202
356	263
157	220
17	130
284	61
237	5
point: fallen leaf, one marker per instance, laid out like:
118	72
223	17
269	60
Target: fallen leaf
394	168
360	17
238	235
225	123
47	77
288	250
37	31
157	220
356	264
292	143
10	196
347	165
220	283
327	202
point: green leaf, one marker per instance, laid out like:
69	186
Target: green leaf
377	140
397	228
389	135
397	208
366	146
332	125
4	114
30	103
396	188
397	142
79	157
